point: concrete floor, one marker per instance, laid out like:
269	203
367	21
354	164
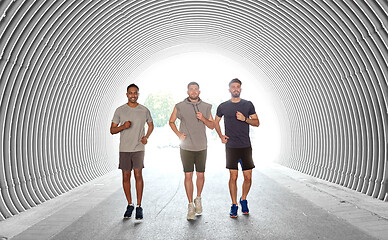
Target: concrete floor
284	204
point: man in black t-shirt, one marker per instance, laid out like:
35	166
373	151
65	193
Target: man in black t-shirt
238	115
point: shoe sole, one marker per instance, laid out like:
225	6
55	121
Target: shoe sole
245	213
233	216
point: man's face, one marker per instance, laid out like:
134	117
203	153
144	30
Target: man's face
235	89
132	94
193	92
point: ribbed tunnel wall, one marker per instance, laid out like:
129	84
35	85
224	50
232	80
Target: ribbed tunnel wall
61	63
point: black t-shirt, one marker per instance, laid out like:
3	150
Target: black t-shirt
236	130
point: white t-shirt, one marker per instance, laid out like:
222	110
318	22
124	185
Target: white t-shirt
130	137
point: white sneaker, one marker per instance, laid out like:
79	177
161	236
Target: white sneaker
191	212
198	205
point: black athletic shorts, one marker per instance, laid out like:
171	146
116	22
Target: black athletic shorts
234	156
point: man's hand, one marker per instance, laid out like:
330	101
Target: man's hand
144	140
127	124
240	116
200	116
182	136
224	139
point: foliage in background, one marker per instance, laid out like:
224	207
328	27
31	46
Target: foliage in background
161	106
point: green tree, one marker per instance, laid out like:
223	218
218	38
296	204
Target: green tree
161	106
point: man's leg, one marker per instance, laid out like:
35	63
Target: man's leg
127	185
233	185
200	165
197	200
189	186
139	184
246	184
189	192
200	182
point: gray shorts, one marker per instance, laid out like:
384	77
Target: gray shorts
191	158
131	160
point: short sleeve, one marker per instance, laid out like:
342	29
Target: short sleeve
116	117
219	111
251	109
148	116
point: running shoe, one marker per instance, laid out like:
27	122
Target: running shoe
191	211
198	205
244	207
233	211
139	213
128	213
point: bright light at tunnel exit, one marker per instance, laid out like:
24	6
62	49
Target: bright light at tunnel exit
212	71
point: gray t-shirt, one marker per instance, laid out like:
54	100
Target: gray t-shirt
194	128
130	137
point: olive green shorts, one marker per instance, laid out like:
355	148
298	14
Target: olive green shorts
191	158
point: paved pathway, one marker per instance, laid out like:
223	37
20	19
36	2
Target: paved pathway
284	204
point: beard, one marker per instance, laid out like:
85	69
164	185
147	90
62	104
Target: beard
193	97
132	100
235	94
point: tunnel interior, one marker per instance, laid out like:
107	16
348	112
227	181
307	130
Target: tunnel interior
62	64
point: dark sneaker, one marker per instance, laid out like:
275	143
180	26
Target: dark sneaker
244	207
128	213
233	211
139	213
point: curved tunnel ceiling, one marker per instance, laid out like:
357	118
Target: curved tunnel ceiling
61	61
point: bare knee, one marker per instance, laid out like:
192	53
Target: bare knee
138	174
188	176
248	177
126	176
233	176
200	175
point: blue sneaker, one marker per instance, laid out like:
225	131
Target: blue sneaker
233	211
244	207
139	213
128	212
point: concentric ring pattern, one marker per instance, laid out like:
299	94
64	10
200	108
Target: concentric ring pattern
60	62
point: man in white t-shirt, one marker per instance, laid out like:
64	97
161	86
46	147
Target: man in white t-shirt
129	120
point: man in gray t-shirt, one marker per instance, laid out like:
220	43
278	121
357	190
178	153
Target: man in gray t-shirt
195	116
129	120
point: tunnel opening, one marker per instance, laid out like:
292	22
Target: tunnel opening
165	78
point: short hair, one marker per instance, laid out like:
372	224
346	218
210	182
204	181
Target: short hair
132	85
235	80
192	83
